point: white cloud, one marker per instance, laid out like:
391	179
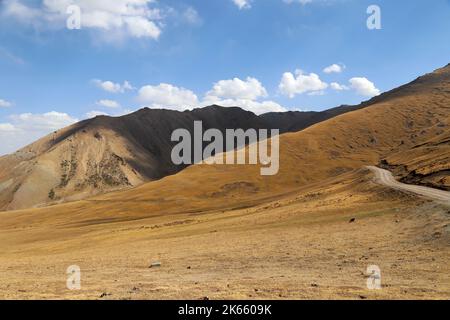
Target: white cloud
134	18
116	113
338	87
291	84
21	11
334	68
140	27
112	87
108	103
95	113
226	93
167	96
246	4
42	122
316	93
7	127
123	112
243	4
364	87
250	89
298	1
191	16
26	128
5	104
241	93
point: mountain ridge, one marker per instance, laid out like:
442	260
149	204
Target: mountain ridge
106	154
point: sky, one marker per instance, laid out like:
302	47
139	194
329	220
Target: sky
115	57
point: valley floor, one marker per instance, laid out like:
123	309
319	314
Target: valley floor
301	246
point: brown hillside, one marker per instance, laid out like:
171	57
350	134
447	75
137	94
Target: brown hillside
398	121
227	232
425	164
314	155
103	154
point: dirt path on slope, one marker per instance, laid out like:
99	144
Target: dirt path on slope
386	178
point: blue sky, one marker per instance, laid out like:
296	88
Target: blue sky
263	55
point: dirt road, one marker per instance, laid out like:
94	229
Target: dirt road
385	177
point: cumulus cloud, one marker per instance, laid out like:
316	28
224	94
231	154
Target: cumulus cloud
134	18
300	83
7	128
108	103
42	122
246	4
25	128
112	87
316	93
338	87
5	103
298	1
191	16
122	112
116	113
22	12
249	89
364	87
95	113
167	96
246	94
242	4
334	68
241	93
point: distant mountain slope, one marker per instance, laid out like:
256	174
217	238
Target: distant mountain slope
293	121
312	158
426	162
395	123
105	153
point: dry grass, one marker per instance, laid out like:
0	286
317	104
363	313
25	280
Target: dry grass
300	246
249	236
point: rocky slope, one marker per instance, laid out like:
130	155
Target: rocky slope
103	154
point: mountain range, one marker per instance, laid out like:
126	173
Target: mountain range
406	129
111	153
140	228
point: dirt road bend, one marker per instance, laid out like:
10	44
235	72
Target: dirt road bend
386	178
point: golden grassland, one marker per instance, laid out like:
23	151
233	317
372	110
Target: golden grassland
228	232
300	246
